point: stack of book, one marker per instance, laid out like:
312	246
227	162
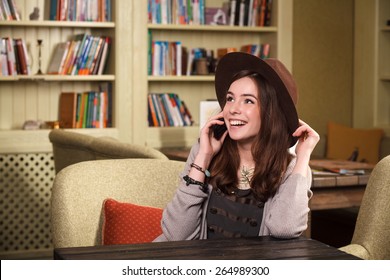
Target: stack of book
167	109
176	11
13	57
90	109
250	12
261	50
8	10
166	58
80	10
83	55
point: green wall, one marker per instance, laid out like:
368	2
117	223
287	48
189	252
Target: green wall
323	62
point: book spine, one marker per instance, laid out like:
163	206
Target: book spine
152	110
21	56
105	54
65	55
96	55
84	55
157	109
11	59
77	62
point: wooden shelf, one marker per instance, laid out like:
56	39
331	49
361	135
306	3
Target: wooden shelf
52	23
211	28
209	78
57	78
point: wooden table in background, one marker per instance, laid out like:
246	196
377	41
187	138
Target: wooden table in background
263	247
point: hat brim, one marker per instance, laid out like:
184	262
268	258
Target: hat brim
232	63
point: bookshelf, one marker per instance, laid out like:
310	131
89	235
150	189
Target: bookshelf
193	89
36	97
372	65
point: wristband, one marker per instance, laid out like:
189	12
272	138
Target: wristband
197	167
202	186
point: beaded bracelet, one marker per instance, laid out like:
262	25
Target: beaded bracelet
197	167
202	186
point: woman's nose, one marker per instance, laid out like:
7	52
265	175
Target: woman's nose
234	108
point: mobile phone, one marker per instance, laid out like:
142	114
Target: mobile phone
218	130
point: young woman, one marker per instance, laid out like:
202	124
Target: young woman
247	182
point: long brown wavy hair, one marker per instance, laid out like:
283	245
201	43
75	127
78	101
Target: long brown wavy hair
269	150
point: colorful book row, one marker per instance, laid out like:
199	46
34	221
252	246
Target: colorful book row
250	12
8	10
167	109
233	12
13	57
80	10
171	58
262	50
90	109
83	55
176	11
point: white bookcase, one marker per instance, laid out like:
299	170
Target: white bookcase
193	89
36	97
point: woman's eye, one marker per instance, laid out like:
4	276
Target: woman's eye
229	98
249	101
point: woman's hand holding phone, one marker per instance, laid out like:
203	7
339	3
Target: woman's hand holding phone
212	135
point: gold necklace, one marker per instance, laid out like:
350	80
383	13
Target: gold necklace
246	177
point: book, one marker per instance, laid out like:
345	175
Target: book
83	38
105	54
11	59
67	110
3	58
268	13
84	55
6	10
13	9
53	10
157	105
69	58
21	56
95	58
106	87
152	111
57	57
26	56
91	54
232	16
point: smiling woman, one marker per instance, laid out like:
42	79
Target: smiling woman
246	182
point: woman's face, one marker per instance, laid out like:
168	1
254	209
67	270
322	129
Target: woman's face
242	110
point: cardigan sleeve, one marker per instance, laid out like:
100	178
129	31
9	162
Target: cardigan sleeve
182	217
286	213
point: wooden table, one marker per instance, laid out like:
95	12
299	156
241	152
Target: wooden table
264	247
337	191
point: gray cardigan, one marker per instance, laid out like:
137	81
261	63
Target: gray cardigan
285	214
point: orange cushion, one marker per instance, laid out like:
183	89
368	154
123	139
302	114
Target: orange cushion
342	141
126	223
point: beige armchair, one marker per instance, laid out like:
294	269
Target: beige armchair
80	189
371	238
72	147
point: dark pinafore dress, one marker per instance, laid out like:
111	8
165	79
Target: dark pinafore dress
238	214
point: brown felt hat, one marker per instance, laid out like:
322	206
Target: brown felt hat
272	70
